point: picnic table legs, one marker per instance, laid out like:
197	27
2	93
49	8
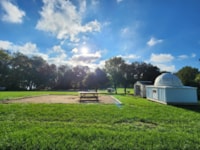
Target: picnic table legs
88	96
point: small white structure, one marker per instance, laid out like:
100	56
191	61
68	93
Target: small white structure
168	89
140	88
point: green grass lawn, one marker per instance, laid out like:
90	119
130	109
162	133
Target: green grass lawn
137	124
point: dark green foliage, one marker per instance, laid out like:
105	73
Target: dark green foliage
65	77
125	75
114	67
190	77
4	67
187	75
96	80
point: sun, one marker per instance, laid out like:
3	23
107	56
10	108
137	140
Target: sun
84	50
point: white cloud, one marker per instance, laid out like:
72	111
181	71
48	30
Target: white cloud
75	50
94	3
166	67
182	57
119	1
57	60
5	45
102	64
130	31
83	56
161	58
12	13
57	55
83	6
163	61
57	49
60	52
28	48
153	41
86	58
129	37
91	26
61	18
193	55
131	56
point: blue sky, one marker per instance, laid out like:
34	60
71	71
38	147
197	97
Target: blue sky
165	33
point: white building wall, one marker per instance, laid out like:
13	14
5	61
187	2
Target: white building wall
140	89
172	94
181	95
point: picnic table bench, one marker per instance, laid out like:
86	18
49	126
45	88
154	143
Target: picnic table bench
89	96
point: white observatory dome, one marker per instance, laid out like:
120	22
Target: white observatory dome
168	79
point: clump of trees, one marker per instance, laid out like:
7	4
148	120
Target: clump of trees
124	74
20	72
190	77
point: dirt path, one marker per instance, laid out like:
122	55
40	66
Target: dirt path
60	99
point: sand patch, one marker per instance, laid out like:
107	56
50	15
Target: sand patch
65	99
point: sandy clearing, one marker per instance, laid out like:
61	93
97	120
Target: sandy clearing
65	99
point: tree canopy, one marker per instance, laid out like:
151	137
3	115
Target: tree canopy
124	74
21	72
187	75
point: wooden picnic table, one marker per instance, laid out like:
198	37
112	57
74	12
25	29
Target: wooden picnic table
89	96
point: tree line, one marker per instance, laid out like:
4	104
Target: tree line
20	72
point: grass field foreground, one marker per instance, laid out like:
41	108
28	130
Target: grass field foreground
137	124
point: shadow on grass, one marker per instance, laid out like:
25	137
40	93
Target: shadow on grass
195	108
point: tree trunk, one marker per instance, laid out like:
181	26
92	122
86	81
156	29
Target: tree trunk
115	87
125	90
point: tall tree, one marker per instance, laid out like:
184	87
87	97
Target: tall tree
197	79
40	72
187	75
137	71
125	75
113	67
79	73
21	71
64	77
96	80
148	72
144	71
90	81
51	75
5	59
102	78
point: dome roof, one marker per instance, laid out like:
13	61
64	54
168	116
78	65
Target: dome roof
168	79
